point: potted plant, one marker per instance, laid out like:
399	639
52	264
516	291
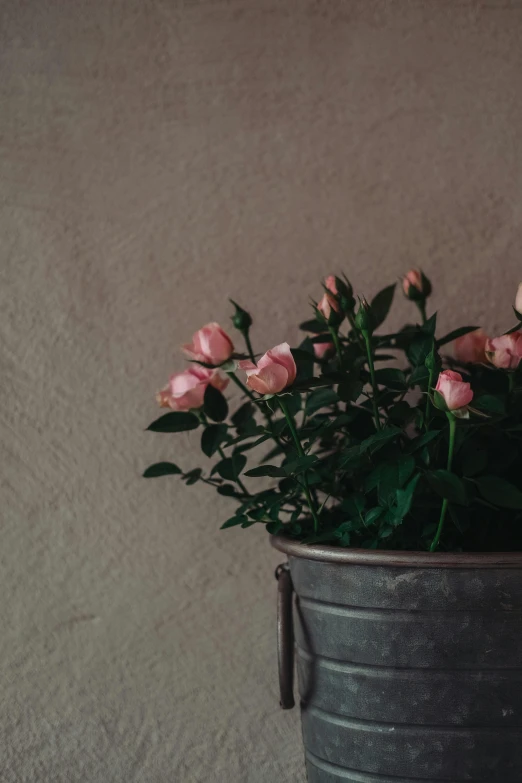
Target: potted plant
395	489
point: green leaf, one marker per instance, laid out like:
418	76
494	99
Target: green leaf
475	461
353	504
301	464
391	378
177	421
381	304
379	439
212	437
430	326
350	456
214	404
350	389
243	419
233	521
499	492
293	403
393	476
274	527
460	518
404	498
226	489
161	469
373	478
490	403
419	349
401	413
320	398
448	485
373	515
456	333
421	441
192	476
419	376
314	326
231	467
266	470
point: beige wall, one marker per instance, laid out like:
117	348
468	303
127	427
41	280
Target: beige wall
156	158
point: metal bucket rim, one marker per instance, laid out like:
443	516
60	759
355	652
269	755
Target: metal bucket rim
399	559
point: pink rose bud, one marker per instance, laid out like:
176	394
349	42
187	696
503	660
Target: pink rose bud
518	300
186	389
471	347
274	371
505	352
327	304
331	284
412	278
210	344
323	350
457	393
416	285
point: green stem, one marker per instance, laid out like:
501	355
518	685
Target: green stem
428	401
291	424
249	346
452	429
355	330
238	480
368	342
421	304
335	338
511	381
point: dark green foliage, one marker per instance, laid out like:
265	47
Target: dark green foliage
161	469
212	438
174	422
215	405
362	460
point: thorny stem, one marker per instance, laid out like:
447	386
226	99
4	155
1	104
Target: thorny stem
453	426
291	424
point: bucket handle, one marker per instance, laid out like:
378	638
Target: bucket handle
285	636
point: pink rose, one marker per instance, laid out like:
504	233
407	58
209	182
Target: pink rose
327	304
331	284
186	389
413	278
471	347
456	392
274	371
323	350
505	352
210	344
518	299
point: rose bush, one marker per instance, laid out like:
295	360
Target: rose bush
402	440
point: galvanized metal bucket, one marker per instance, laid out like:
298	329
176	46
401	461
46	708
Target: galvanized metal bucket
409	664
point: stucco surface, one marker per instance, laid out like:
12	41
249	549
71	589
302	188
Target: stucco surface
156	158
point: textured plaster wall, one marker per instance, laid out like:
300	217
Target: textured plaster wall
156	158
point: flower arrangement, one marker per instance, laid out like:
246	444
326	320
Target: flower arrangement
371	440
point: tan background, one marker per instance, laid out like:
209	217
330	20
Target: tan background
156	158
